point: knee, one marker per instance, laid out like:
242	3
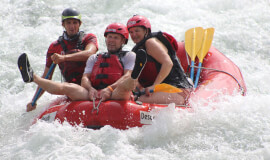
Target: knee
66	87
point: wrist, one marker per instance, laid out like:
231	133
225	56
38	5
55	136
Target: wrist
110	88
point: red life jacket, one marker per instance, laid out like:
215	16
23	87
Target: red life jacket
107	70
176	77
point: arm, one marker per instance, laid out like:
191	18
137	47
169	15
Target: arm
160	53
107	92
82	55
90	49
86	83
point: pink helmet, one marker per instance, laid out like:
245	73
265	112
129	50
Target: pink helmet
138	21
117	28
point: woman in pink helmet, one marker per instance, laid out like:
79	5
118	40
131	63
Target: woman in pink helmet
156	63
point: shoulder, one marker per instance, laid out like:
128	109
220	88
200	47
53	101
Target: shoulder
54	43
92	59
54	46
155	47
89	36
130	53
129	56
152	42
129	60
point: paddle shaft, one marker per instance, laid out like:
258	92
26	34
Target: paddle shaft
40	89
207	41
198	75
192	71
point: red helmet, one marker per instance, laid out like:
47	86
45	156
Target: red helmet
117	28
138	21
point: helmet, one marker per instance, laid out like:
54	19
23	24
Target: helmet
138	21
117	28
71	13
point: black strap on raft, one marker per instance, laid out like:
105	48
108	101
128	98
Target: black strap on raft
94	127
79	42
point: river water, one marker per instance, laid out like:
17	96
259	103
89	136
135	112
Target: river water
239	128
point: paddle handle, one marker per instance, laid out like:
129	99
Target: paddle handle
40	89
192	71
198	75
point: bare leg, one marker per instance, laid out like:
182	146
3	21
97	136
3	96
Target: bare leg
163	98
179	98
73	91
123	91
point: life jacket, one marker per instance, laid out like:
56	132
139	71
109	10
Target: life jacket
72	71
176	77
107	69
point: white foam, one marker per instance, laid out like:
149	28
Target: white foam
236	129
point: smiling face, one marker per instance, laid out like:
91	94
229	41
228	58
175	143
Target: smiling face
137	34
114	42
72	26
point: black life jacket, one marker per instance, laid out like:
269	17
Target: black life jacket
176	77
107	69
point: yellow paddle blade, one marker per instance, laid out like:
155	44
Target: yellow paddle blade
207	41
193	41
163	87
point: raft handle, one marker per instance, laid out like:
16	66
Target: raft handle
96	107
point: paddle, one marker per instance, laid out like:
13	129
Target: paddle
207	41
193	43
40	89
163	87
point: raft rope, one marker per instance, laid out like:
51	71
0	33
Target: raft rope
242	90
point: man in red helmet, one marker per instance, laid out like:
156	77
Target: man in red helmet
102	74
70	51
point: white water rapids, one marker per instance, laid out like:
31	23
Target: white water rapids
238	128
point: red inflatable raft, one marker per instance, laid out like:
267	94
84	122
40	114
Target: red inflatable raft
219	76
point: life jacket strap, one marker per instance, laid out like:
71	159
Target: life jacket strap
102	76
